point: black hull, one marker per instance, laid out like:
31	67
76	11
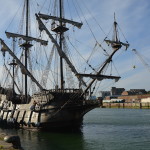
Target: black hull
69	118
73	120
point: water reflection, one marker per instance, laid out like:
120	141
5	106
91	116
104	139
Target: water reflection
43	140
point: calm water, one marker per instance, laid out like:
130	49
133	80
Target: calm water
103	129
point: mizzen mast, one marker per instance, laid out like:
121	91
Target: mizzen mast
26	46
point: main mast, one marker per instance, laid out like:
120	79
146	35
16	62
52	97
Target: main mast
60	43
26	47
58	26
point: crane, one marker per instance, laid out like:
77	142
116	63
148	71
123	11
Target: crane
141	58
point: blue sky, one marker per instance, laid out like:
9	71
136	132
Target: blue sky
133	19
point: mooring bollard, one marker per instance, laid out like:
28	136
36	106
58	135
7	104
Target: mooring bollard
140	105
123	105
15	140
109	105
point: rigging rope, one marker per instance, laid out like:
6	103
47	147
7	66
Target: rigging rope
6	77
100	45
122	33
14	16
115	68
56	68
49	7
69	75
16	74
92	52
104	71
94	18
47	69
22	20
81	55
77	11
69	10
55	8
42	5
30	69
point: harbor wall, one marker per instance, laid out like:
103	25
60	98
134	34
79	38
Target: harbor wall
135	98
127	105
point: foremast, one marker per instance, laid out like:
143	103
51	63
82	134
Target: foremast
115	42
100	72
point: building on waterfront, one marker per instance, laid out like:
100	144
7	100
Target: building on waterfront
133	95
134	98
104	94
145	100
134	92
116	91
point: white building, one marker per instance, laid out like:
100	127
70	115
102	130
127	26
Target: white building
145	100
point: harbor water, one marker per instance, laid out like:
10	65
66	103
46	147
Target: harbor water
103	129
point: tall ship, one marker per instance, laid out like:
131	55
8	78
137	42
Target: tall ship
42	87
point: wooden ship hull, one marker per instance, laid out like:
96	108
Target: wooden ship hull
56	112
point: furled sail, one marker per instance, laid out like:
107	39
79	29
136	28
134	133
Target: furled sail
46	17
26	38
99	77
117	44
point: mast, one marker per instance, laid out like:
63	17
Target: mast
115	42
60	43
60	52
26	48
26	45
13	69
6	48
58	26
13	64
115	30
